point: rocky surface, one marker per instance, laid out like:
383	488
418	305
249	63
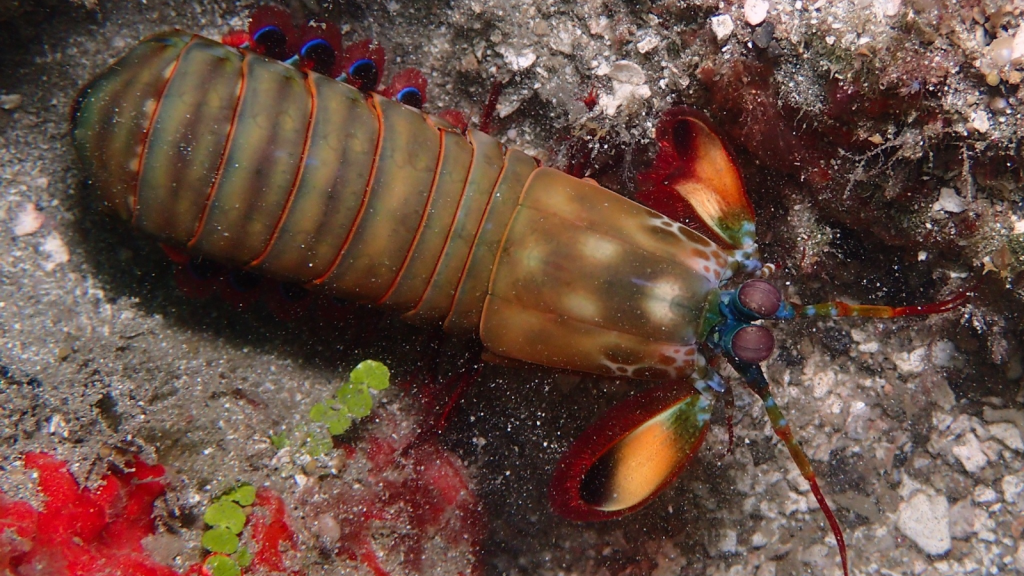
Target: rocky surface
880	143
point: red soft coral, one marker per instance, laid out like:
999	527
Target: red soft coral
82	532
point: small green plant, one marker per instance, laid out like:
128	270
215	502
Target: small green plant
220	565
351	401
226	518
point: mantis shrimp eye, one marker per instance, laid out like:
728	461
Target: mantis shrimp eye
760	298
753	344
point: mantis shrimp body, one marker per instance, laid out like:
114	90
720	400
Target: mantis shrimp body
278	168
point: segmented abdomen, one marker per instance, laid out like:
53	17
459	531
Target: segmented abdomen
253	162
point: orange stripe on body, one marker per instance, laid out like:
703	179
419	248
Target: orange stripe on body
476	237
149	128
504	235
366	195
451	228
423	218
224	153
298	173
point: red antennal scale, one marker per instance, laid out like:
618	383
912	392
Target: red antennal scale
320	48
408	87
362	64
272	33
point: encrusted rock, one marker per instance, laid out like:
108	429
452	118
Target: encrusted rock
1012	487
925	520
722	26
963	519
1008	434
949	201
755	11
969	452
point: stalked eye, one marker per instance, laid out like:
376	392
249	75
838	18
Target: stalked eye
408	87
760	297
363	65
753	344
271	32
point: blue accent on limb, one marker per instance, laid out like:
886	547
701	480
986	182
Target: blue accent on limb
312	43
786	312
264	30
710	384
360	63
410	96
734	318
752	375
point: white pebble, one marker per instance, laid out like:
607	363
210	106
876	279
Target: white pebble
911	362
627	72
28	221
887	7
515	60
755	11
10	101
722	26
1008	434
858	423
925	520
647	44
980	120
56	250
869	347
1001	50
1012	487
969	452
327	530
944	354
984	495
622	95
949	202
822	383
727	544
963	519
